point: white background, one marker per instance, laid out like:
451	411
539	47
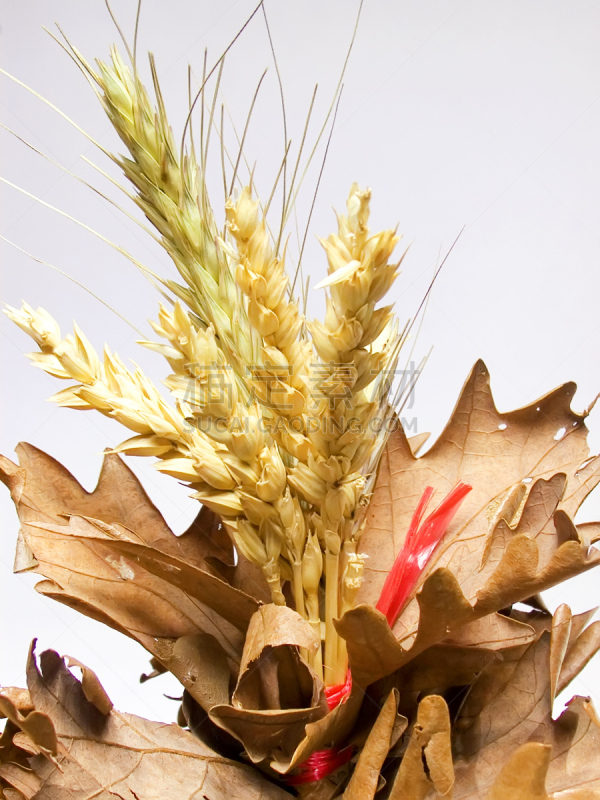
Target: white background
476	113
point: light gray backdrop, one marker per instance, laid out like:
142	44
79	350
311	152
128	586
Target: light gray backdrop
474	113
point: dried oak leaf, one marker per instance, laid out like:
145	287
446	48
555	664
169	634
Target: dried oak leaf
583	643
122	756
36	725
273	676
19	698
512	537
110	555
426	768
438	668
366	776
91	686
493	632
510	708
16	746
276	693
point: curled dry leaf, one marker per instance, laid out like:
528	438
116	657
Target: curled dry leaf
567	768
276	693
584	643
19	698
559	643
120	755
426	769
110	555
331	730
36	725
365	778
272	674
509	707
91	686
512	537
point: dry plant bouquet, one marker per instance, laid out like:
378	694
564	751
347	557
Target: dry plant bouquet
341	615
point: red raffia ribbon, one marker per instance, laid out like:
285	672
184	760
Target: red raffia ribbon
338	694
323	762
421	540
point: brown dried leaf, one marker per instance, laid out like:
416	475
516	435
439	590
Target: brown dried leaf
9	751
574	770
24	781
119	499
92	572
506	706
493	632
229	603
510	707
36	725
494	453
18	697
374	651
200	663
209	538
277	693
113	573
559	642
442	666
330	731
23	741
92	688
120	755
565	769
427	764
365	777
11	794
416	442
272	674
524	775
581	649
512	536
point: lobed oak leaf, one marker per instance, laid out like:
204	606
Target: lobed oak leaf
426	768
36	725
120	755
275	694
438	668
493	632
366	776
51	493
510	707
110	555
504	742
511	538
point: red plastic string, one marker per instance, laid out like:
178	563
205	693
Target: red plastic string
338	694
419	544
323	762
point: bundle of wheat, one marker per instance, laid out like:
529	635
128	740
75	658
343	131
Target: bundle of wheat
326	633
